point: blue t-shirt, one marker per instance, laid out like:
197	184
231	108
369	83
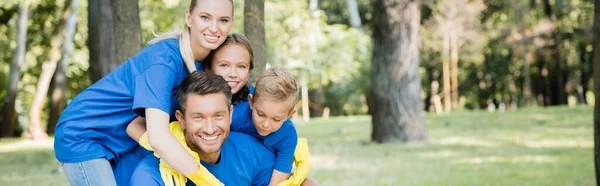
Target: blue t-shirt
282	142
244	161
93	124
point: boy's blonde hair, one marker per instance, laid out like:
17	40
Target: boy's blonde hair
277	84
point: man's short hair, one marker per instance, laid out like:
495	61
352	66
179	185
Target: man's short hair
202	83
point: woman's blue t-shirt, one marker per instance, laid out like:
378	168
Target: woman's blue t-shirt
93	124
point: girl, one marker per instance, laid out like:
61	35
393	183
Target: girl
91	139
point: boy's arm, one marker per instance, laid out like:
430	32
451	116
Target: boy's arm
283	143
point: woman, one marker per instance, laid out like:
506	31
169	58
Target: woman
91	139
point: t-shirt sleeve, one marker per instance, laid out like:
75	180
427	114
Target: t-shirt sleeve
147	173
285	146
153	89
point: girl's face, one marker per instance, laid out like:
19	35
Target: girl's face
232	62
209	22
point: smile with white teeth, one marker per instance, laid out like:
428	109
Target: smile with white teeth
209	138
232	83
211	37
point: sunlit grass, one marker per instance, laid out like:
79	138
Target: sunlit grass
540	146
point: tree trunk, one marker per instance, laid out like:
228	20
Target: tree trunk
394	99
596	31
101	41
254	29
127	29
446	72
8	117
57	102
48	68
526	72
454	68
304	95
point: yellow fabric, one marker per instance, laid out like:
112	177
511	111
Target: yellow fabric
203	177
167	173
302	162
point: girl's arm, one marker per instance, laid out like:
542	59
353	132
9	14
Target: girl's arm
136	128
165	144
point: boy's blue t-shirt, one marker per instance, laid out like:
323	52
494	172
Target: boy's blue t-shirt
244	161
282	142
93	124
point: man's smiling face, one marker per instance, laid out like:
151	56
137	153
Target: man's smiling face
206	122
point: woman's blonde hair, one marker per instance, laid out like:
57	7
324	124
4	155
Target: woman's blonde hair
277	84
184	40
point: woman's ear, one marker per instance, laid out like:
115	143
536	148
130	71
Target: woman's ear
188	17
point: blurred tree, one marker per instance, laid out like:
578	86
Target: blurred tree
596	44
59	80
254	29
294	36
127	29
101	39
8	117
48	68
395	96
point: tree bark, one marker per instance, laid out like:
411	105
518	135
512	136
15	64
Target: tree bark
48	68
101	41
446	72
596	46
529	56
454	68
254	29
59	80
127	29
394	99
8	117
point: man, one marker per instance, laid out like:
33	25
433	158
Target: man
205	116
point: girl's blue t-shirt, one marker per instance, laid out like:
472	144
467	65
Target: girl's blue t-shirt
93	124
283	141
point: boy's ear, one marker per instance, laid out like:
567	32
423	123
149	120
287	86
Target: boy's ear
180	118
292	113
250	100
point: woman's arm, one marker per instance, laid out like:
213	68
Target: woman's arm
165	144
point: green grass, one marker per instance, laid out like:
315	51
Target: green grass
540	146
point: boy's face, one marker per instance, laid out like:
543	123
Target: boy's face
206	122
268	115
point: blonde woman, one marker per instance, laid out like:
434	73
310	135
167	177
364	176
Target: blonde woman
91	139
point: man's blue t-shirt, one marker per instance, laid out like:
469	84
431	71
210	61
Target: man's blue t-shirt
93	124
244	161
282	142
